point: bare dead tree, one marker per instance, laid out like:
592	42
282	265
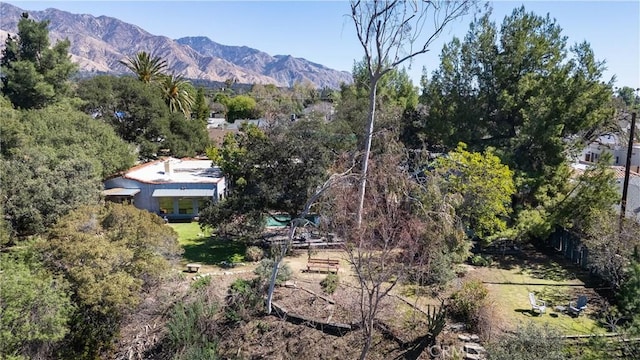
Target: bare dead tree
391	33
385	247
611	246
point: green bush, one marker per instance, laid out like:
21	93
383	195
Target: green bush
265	267
263	327
236	258
199	352
191	331
201	282
232	261
441	271
35	305
465	304
529	342
330	283
244	300
254	253
481	260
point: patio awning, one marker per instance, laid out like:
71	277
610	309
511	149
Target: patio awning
183	193
120	192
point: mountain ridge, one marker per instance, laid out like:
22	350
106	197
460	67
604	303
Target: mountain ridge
98	44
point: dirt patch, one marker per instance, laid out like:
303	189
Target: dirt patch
272	337
307	299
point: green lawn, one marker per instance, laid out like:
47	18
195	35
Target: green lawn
200	247
551	282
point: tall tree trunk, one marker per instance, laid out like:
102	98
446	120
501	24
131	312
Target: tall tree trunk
276	265
367	146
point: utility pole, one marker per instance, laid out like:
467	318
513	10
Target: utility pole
625	186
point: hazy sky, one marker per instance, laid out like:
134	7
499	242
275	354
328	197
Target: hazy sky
321	31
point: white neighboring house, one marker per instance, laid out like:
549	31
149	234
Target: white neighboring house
632	209
611	144
175	189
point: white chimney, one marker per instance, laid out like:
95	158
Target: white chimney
168	168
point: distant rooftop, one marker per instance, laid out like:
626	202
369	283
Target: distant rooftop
216	123
172	170
620	171
238	123
581	166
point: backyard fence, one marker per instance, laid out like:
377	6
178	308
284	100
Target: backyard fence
570	246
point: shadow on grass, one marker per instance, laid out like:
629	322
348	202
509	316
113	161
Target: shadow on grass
541	264
211	250
528	312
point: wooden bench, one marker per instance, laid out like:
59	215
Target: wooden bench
330	265
193	267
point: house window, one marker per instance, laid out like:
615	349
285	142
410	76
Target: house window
185	206
587	157
166	205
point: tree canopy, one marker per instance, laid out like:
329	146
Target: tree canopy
33	73
53	160
523	91
146	66
240	107
109	255
392	33
484	185
35	307
269	172
139	115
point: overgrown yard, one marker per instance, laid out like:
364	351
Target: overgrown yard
509	280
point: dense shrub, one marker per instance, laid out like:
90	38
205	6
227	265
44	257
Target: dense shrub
232	261
465	304
330	283
529	342
192	330
254	253
244	300
35	307
236	258
481	260
265	267
201	282
439	273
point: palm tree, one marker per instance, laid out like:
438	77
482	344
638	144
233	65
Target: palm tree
177	93
146	66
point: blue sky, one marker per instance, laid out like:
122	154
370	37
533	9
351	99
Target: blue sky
321	31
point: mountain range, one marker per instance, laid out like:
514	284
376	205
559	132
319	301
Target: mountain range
98	44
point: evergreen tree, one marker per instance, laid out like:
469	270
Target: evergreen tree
200	109
33	73
522	90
